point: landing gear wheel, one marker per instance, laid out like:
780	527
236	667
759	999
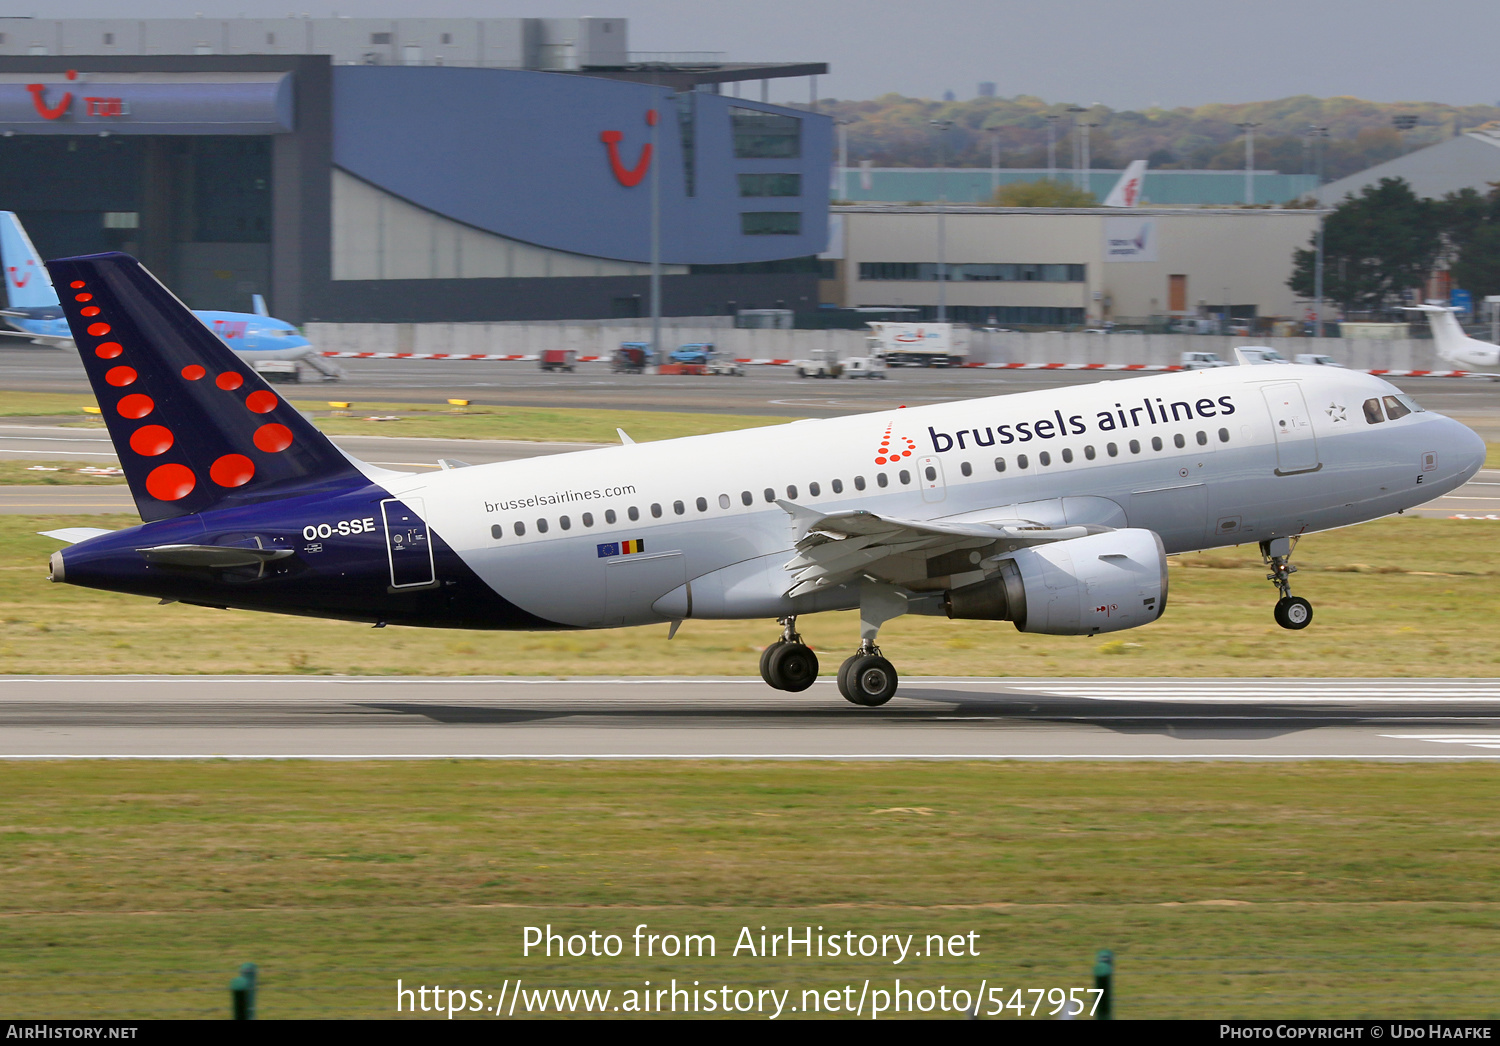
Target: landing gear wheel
765	661
1293	612
867	679
792	667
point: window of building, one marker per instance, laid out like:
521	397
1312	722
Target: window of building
966	469
447	38
497	531
770	184
541	526
771	223
109	39
520	529
972	273
814	489
380	38
271	39
765	136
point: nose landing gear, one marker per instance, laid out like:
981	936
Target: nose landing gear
789	664
1291	612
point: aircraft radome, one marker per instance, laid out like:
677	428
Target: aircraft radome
1054	509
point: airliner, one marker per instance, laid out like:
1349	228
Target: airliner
35	314
1452	343
1127	191
1054	510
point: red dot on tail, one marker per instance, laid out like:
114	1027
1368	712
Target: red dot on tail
90	310
76	284
170	482
83	297
261	402
151	440
120	375
232	470
108	350
136	406
229	380
192	372
273	437
98	330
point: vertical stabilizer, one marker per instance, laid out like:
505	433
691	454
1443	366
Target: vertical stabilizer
26	282
1127	191
193	424
1452	344
258	305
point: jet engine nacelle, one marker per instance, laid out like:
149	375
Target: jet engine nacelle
1080	587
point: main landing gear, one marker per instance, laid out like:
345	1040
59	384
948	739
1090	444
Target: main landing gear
1292	612
866	678
789	664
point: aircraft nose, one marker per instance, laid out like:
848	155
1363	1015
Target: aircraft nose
1466	448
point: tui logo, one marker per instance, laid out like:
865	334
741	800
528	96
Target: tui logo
628	176
17	279
39	99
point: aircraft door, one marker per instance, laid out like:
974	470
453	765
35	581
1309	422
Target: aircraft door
930	476
632	583
1296	445
408	546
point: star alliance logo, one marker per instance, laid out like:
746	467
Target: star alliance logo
1336	412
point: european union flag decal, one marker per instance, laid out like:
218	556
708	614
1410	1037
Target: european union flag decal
610	548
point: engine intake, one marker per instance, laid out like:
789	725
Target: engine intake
1082	587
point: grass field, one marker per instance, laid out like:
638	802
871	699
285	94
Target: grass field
1397	597
136	889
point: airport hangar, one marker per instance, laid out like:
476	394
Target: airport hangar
1067	267
413	170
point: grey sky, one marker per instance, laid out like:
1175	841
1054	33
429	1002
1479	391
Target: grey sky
1124	54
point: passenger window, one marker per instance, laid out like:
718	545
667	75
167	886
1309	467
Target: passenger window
723	501
1112	450
838	486
791	493
565	522
966	469
746	498
634	513
814	490
770	495
609	515
931	473
999	464
541	526
656	510
1223	435
1178	441
882	480
1067	454
702	504
520	529
859	483
1088	452
1044	459
1372	412
1021	461
904	477
497	532
1135	446
1202	438
1156	443
678	507
588	519
1394	408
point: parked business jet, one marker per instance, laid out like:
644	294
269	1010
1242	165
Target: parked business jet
35	314
1054	509
1452	343
1127	191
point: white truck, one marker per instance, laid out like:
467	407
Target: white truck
919	344
824	364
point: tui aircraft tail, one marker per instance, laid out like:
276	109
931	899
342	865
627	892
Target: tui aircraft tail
193	425
26	284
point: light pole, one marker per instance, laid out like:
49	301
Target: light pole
1249	128
994	160
655	121
942	229
842	176
1318	134
1052	119
1075	110
1087	162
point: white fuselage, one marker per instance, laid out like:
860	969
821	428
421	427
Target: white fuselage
1205	458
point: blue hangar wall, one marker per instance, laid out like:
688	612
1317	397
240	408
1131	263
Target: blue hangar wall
550	163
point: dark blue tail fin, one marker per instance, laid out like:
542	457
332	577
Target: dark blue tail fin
193	424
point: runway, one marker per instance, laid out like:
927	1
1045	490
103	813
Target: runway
733	718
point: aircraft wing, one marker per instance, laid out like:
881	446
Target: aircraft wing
39	339
843	546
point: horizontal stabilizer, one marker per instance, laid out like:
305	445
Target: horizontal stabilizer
73	535
217	556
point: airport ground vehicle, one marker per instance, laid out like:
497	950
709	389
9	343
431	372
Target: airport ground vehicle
1053	509
919	344
1313	359
864	367
559	359
726	368
1202	361
632	357
696	352
824	364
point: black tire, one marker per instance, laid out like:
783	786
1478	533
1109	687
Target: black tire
793	667
1294	613
868	679
765	662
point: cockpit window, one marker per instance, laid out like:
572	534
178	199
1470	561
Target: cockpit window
1372	412
1413	405
1394	408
